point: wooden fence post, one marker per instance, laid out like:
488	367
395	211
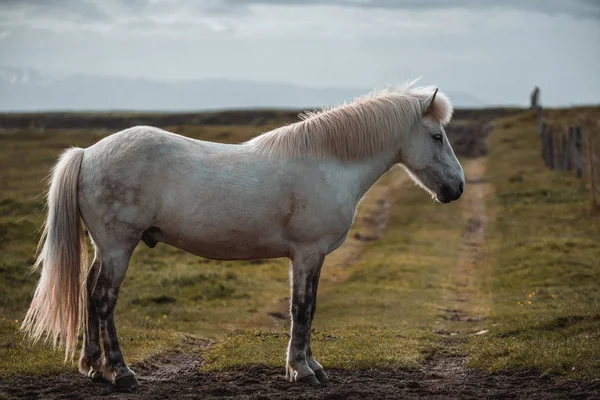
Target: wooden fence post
578	152
592	176
540	123
570	147
550	137
563	147
544	146
557	152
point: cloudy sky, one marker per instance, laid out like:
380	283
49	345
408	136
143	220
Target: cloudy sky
495	50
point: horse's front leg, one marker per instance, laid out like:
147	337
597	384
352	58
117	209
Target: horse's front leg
312	363
304	275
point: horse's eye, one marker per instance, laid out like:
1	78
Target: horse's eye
438	137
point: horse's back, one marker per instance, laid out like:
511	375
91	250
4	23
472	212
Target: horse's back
147	143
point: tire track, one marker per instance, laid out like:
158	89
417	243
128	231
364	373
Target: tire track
465	299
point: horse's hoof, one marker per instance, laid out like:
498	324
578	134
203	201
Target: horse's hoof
321	376
127	383
98	378
309	380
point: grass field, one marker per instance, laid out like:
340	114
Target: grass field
515	260
545	281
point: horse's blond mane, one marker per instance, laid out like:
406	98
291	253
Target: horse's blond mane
358	130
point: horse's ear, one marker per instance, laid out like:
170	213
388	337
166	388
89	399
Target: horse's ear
428	103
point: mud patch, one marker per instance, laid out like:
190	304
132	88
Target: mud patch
279	315
176	376
456	314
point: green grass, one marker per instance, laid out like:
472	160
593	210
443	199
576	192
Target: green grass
387	295
545	281
382	310
347	348
19	356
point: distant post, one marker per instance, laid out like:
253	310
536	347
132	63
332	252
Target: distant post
535	98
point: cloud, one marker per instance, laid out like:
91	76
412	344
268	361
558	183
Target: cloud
212	18
576	8
104	10
61	9
137	17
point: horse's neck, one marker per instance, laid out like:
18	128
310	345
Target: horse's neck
372	169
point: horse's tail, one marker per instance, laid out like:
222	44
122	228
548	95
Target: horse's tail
56	309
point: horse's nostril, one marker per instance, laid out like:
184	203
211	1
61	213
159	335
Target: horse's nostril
461	187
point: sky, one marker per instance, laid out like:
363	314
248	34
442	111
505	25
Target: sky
495	50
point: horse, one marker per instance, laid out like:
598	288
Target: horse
291	192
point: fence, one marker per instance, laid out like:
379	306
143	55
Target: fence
571	150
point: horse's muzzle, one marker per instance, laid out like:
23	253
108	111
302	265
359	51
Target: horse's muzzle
449	193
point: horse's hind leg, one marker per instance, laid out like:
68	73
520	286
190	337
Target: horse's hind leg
114	267
90	363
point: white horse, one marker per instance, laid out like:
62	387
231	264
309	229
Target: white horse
291	192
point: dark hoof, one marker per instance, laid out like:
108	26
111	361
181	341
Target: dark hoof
127	384
309	380
321	376
98	378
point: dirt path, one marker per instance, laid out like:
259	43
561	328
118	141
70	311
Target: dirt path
465	297
175	376
465	303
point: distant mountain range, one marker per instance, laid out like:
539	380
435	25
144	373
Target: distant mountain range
27	89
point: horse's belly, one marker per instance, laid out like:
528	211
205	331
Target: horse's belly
231	244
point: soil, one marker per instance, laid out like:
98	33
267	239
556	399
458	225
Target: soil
176	375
